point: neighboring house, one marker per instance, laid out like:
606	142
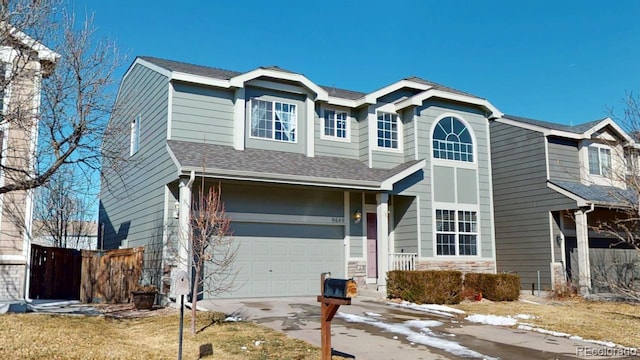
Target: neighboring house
314	178
19	103
79	235
552	184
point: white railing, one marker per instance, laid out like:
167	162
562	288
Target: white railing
402	261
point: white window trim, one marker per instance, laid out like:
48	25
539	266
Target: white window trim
135	135
456	208
323	136
474	142
600	147
399	124
273	103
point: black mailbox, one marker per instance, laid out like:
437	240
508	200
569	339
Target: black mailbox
340	288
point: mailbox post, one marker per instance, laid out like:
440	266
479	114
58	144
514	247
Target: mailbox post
181	287
333	293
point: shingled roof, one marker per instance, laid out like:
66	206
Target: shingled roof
225	161
576	129
599	194
223	74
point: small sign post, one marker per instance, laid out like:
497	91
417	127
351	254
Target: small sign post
333	293
181	287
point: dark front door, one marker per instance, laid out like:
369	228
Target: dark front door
372	245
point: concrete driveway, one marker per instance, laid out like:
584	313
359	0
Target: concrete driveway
373	329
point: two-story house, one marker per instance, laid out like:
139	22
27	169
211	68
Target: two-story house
553	184
23	64
313	178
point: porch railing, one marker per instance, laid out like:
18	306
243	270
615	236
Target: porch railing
402	261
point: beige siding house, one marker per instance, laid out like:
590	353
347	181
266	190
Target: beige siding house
23	64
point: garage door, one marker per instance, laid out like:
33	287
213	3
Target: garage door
272	267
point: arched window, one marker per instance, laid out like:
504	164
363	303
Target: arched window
452	140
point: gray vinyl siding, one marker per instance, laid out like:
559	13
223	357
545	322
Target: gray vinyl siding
132	210
202	114
356	231
425	118
405	231
363	142
443	179
408	124
282	200
386	159
522	203
301	112
338	147
564	162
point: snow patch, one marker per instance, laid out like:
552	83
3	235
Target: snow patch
525	317
492	320
372	314
441	310
425	337
232	319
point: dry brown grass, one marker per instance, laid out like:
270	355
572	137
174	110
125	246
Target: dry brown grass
605	321
38	336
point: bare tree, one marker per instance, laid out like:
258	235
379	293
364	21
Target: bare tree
62	211
213	250
616	270
68	107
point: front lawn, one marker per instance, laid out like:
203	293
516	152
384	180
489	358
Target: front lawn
604	321
39	336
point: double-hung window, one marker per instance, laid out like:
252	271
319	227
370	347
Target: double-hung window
135	135
335	124
387	130
599	161
273	120
456	232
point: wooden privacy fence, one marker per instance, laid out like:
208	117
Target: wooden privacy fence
110	276
55	273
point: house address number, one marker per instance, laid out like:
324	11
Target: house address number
337	220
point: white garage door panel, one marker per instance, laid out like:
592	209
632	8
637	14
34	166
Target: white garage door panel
285	267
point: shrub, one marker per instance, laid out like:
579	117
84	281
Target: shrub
425	287
494	287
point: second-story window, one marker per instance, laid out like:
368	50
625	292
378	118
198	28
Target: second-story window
335	124
135	135
387	130
599	161
452	140
273	120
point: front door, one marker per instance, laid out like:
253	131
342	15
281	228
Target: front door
372	246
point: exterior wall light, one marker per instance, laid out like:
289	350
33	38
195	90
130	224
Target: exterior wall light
357	216
176	210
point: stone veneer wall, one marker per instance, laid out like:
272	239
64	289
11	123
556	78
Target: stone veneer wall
12	281
464	266
358	271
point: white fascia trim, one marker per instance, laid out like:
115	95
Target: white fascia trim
286	179
580	202
491	207
418	99
150	66
388	183
169	109
238	81
342	102
311	126
198	79
372	98
608	122
44	53
540	129
175	160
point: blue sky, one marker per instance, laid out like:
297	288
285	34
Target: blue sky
562	61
